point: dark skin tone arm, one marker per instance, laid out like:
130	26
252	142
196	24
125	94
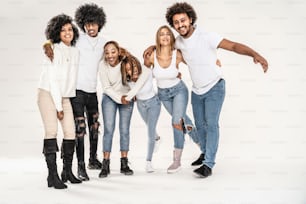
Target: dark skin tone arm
60	115
244	50
48	51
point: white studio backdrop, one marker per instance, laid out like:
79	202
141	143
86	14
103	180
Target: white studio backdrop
263	117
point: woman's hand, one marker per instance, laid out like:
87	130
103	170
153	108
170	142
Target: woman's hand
60	115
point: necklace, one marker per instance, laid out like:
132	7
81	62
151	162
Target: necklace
67	54
93	41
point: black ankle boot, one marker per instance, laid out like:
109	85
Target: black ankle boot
105	168
68	150
93	163
199	161
125	169
82	174
50	149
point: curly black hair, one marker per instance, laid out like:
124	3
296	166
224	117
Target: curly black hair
90	13
54	28
178	8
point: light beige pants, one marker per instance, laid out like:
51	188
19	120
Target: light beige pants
49	116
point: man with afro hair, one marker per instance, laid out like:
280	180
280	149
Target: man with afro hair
208	86
90	19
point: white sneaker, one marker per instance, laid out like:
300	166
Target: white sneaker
157	143
149	168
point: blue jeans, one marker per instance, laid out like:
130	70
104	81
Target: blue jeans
109	111
149	111
175	100
206	110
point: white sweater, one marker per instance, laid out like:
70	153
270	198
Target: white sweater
59	77
112	82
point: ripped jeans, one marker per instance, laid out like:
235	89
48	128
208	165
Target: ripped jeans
175	100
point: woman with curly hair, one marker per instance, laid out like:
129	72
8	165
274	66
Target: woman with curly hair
90	19
56	86
148	104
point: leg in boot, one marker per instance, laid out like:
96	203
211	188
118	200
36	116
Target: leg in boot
105	168
94	163
68	150
125	169
176	165
49	150
82	174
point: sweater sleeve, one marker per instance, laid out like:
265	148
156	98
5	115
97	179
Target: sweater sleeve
106	85
139	83
54	85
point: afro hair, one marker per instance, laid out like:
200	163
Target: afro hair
90	13
178	8
54	28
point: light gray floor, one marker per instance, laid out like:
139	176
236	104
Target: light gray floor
235	179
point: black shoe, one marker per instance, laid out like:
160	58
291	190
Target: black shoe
82	174
199	161
125	169
203	172
94	164
105	168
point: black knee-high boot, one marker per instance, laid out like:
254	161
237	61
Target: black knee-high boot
49	150
67	152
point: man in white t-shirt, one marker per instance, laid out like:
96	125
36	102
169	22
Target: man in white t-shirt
208	87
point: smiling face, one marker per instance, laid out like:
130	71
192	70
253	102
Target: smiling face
183	24
164	36
66	34
92	29
111	54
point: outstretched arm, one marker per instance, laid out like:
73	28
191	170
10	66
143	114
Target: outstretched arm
244	50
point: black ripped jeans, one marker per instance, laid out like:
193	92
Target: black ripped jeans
86	103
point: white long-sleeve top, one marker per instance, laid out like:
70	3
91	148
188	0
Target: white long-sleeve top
91	52
143	88
111	81
59	76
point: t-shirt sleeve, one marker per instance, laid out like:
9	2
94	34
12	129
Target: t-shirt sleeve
214	39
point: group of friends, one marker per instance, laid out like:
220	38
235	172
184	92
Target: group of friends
67	91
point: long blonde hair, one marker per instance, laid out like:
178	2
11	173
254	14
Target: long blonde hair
172	38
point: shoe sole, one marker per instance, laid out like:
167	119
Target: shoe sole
200	175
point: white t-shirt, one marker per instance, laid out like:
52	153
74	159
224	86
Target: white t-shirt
200	53
59	76
91	51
